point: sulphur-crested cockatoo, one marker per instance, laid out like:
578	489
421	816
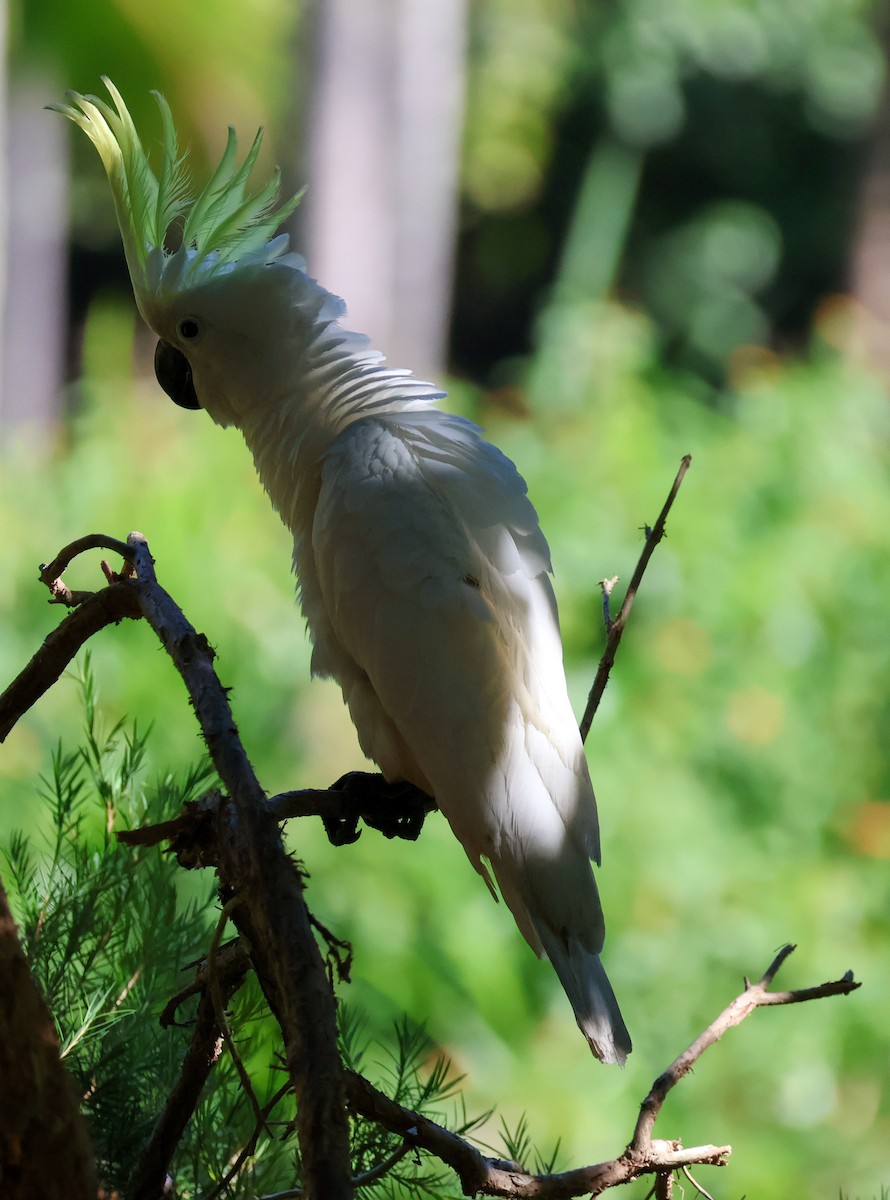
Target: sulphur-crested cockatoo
423	572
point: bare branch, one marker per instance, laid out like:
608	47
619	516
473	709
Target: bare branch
153	1165
252	863
272	916
644	1155
754	996
250	1145
615	628
51	572
106	607
397	810
481	1175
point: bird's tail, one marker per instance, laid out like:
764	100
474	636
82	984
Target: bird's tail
590	994
557	908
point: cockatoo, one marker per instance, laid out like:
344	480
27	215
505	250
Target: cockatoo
423	572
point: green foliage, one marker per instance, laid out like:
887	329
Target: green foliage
518	1144
105	928
107	932
415	1077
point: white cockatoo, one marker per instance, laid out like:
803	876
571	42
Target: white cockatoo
423	573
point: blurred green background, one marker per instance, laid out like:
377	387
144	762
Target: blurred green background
651	228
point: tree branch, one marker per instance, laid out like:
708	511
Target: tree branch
615	628
44	1145
482	1175
272	916
95	610
644	1156
152	1167
252	863
396	810
754	996
51	573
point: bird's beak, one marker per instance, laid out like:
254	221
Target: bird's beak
175	375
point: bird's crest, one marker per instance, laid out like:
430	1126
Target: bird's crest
159	215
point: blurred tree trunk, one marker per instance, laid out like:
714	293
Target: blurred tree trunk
870	261
384	124
34	255
4	186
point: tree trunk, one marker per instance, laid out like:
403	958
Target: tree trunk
384	124
44	1147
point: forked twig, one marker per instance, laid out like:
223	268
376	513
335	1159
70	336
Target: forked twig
644	1156
755	995
615	627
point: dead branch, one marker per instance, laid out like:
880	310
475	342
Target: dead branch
486	1176
615	628
95	610
153	1165
755	995
272	916
644	1155
51	573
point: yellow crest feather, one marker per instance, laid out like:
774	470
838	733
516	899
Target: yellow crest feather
221	224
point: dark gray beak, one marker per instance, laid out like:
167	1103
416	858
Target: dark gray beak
175	375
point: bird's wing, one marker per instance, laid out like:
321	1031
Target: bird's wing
433	573
440	623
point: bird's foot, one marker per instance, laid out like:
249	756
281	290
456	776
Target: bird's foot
394	809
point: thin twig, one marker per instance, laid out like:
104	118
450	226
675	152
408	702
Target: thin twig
339	953
250	1145
607	586
695	1183
220	1002
153	1165
754	996
616	626
363	1180
232	964
383	1168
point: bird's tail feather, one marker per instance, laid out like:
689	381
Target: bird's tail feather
577	965
590	994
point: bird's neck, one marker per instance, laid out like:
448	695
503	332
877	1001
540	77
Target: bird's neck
336	379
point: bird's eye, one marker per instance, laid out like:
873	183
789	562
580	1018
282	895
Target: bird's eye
188	329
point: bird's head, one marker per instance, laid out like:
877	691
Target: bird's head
208	275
